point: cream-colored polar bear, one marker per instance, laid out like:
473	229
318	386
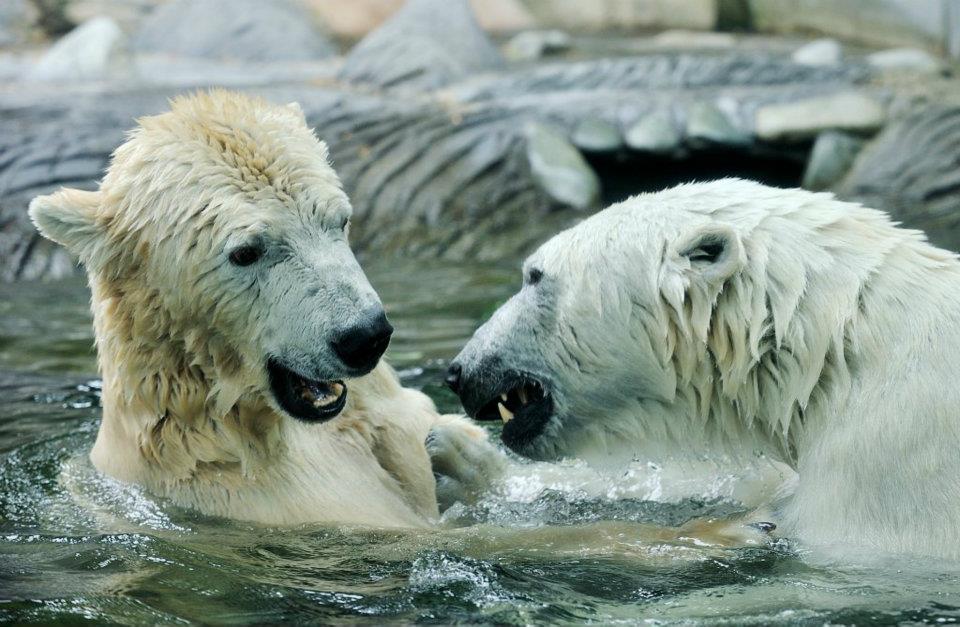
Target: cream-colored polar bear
736	315
238	339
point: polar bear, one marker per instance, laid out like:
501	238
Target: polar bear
733	315
238	339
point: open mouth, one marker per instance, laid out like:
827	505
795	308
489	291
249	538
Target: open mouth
525	407
306	399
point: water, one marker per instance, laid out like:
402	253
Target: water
555	544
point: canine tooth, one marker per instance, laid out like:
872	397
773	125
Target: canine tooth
503	397
505	414
523	394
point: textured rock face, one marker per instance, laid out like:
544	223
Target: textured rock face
427	44
241	30
94	51
912	170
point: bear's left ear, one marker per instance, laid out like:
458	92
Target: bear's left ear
714	252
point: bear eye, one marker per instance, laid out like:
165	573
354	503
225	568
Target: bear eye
534	275
245	255
345	223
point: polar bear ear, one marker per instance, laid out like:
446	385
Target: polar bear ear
69	217
714	252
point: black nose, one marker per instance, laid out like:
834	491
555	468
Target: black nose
362	345
453	377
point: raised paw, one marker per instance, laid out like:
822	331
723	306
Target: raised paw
465	463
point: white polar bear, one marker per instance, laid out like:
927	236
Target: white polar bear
734	315
232	320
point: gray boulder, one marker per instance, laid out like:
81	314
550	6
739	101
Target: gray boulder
832	155
96	50
850	111
426	44
240	30
656	132
535	44
819	52
559	168
911	60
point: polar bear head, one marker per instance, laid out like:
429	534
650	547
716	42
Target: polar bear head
707	313
217	252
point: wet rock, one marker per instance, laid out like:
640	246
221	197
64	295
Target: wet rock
687	40
441	175
906	60
96	50
559	168
536	44
708	124
830	159
656	132
624	15
17	19
849	111
819	52
596	135
912	171
237	30
427	44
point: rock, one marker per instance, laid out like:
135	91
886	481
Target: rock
96	50
624	15
237	30
912	171
437	175
819	52
656	132
686	39
17	20
536	44
427	44
906	60
706	123
596	135
848	111
559	168
356	18
924	23
830	159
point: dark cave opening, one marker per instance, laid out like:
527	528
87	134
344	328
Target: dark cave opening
626	173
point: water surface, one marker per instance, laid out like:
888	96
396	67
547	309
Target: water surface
553	545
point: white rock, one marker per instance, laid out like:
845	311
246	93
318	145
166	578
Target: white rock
596	135
94	51
694	39
656	132
708	123
819	52
906	59
832	155
535	44
849	111
559	168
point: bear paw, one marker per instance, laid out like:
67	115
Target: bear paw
465	463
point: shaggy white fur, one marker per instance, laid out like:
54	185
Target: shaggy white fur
737	316
184	335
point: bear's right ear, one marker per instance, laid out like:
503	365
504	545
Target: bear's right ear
714	252
69	217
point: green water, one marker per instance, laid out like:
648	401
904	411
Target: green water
552	545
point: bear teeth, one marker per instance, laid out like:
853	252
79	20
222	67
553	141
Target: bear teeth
505	414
